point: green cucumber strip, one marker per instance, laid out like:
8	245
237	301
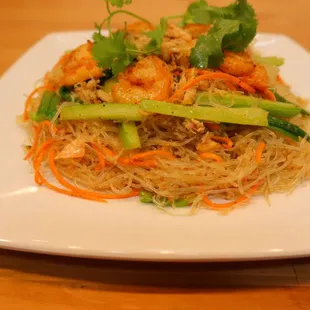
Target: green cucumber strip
108	111
282	99
272	60
242	116
52	109
239	101
129	135
284	132
287	126
44	104
147	197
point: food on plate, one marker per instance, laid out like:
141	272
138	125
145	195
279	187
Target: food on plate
183	113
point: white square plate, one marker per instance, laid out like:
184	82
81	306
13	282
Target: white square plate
39	220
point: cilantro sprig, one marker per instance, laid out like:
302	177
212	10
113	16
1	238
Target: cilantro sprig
234	27
118	3
115	51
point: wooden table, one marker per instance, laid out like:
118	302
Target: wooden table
29	281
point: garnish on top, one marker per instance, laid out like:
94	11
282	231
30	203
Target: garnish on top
233	28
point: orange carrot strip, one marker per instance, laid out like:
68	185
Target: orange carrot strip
259	152
151	153
269	95
36	138
38	157
60	190
213	156
227	143
232	203
107	152
100	156
146	163
207	75
213	126
75	189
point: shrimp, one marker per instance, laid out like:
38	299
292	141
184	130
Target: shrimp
136	34
196	30
258	78
74	67
139	27
149	78
237	64
241	65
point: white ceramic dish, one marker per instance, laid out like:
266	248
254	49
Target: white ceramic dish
39	220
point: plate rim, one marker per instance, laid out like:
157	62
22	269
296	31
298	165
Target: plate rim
143	255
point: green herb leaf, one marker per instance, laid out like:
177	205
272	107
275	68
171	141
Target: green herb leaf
156	36
243	12
118	3
111	52
234	28
208	49
194	12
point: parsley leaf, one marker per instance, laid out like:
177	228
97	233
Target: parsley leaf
111	52
208	49
156	36
234	27
118	3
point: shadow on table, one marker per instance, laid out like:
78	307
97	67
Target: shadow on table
148	276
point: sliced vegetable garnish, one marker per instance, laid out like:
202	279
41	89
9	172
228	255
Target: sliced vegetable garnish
272	60
44	105
239	101
287	126
243	116
129	135
284	132
47	108
147	197
282	99
108	111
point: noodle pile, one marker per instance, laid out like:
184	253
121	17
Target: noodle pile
256	161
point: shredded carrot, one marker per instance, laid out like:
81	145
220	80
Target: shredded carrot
77	190
36	138
107	152
28	101
213	126
232	203
208	75
38	157
140	156
231	85
259	152
227	143
269	94
230	78
101	158
213	156
57	189
133	160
